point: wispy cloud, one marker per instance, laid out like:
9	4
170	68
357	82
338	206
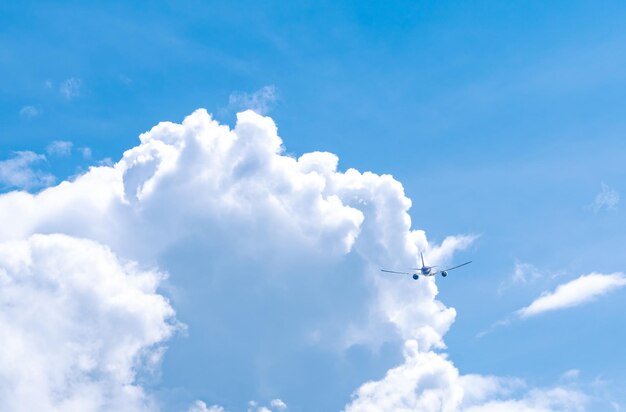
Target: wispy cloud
607	199
495	325
29	112
525	274
85	152
59	148
582	290
261	101
71	88
19	172
570	374
125	79
574	293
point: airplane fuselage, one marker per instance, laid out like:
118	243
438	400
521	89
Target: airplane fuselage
424	271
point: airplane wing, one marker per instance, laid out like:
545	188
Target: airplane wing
454	267
393	271
458	266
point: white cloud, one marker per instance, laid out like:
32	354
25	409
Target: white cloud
294	221
250	230
29	112
59	148
71	88
429	382
19	172
607	199
261	101
191	183
576	292
584	289
537	400
253	406
239	186
278	404
76	325
425	382
200	406
479	389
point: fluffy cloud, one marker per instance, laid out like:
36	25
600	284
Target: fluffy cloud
20	172
238	186
200	406
429	382
278	404
233	218
425	382
76	326
576	292
262	247
537	400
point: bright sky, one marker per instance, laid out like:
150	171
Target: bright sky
236	268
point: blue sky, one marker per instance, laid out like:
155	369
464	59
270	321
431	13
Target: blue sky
502	120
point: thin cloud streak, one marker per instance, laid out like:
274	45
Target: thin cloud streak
574	293
582	290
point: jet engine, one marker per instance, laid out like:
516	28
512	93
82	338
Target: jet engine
444	273
415	276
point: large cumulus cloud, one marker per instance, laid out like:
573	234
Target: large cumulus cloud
201	178
273	264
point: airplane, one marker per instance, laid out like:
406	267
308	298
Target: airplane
426	270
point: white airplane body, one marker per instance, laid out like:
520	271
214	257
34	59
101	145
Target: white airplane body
426	270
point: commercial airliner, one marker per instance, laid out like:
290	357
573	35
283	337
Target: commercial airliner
426	270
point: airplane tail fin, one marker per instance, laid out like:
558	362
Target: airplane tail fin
422	256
